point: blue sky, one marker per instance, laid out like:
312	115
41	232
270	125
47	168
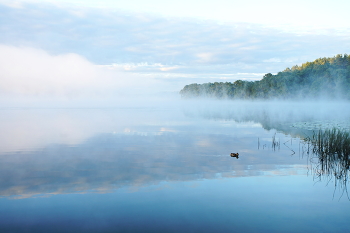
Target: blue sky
177	42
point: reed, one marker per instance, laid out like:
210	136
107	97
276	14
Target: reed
275	143
333	143
331	147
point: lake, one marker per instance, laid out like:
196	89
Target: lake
166	167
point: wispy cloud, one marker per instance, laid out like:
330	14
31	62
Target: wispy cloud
11	3
149	44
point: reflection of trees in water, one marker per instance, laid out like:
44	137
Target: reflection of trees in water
329	154
328	149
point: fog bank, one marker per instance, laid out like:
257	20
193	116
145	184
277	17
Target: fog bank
30	75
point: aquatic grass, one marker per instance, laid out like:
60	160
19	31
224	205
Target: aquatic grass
331	148
275	143
331	142
328	151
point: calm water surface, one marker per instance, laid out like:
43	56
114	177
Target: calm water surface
167	168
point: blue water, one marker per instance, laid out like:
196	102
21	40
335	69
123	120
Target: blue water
163	169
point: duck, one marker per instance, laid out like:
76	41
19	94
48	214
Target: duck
234	155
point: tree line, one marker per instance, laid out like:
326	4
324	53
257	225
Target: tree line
323	78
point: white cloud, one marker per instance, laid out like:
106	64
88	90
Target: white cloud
272	60
165	69
205	57
294	13
33	71
29	71
12	3
146	44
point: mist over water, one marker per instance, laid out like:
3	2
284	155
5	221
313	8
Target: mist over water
166	127
126	146
96	133
156	151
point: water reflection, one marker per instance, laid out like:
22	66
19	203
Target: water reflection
327	150
55	151
293	118
109	161
29	129
156	170
329	154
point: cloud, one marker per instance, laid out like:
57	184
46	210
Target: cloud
165	45
205	57
35	72
11	3
143	154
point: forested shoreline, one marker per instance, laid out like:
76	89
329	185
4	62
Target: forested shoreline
323	78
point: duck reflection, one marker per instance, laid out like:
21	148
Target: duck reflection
328	149
111	161
182	150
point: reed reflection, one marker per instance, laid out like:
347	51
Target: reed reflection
163	146
323	132
111	161
329	154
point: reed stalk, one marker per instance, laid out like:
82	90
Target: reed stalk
332	150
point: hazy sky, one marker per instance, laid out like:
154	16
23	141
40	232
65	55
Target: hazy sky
318	13
167	43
